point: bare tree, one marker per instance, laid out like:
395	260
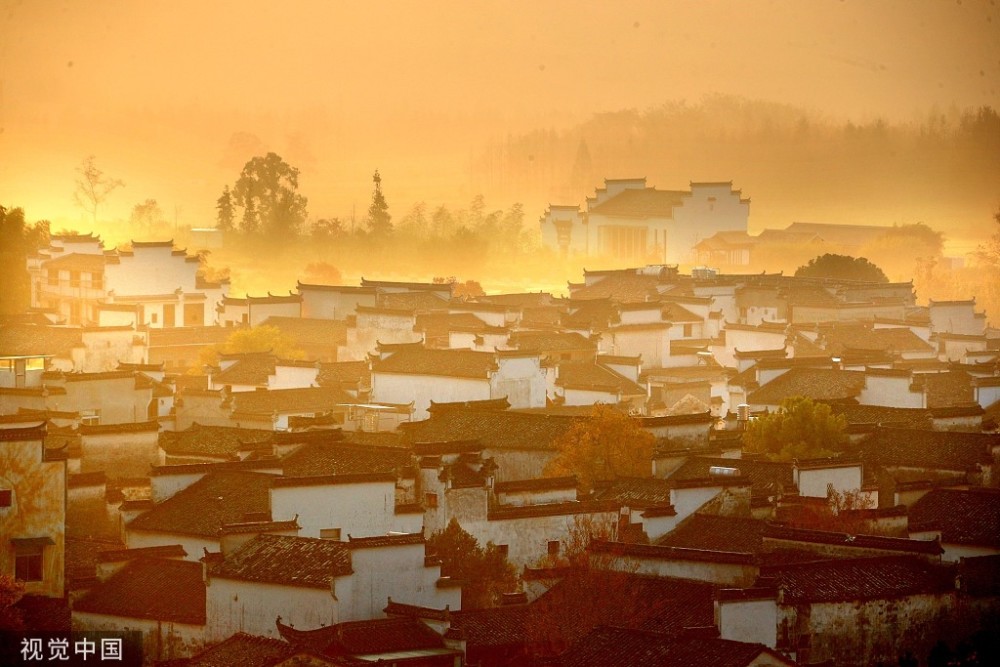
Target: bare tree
93	187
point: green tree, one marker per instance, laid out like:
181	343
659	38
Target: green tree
17	241
267	191
841	267
93	187
379	220
484	572
607	445
226	216
264	338
800	429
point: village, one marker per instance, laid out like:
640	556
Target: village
423	476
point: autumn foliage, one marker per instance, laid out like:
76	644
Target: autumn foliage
607	445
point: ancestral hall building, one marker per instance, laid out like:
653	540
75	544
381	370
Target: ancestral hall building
628	221
148	283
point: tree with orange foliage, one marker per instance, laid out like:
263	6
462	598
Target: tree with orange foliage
606	445
11	591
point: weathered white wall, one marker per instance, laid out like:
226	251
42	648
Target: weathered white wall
160	640
252	607
358	509
751	621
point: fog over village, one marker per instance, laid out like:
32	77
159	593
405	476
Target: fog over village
500	334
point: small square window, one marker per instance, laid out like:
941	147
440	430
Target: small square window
554	548
152	318
330	533
504	549
6	497
28	566
431	499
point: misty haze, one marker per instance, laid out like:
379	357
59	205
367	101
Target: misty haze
500	334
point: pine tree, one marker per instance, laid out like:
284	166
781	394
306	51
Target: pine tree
226	217
379	220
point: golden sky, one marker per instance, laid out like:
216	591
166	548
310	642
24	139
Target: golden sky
156	90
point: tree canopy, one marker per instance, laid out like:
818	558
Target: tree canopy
607	445
263	338
841	267
800	429
266	198
379	220
17	240
484	571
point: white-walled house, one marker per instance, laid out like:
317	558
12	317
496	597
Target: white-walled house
412	373
627	220
310	583
161	285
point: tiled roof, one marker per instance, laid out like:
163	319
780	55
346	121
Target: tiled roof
416	301
202	509
762	475
551	341
505	626
717	533
860	579
521	299
77	262
621	287
339	458
814	383
33	339
863	337
244	650
873	542
344	374
946	389
963	517
495	429
310	332
194	336
451	363
918	448
589	375
304	399
641	203
878	414
591	314
251	368
567	611
156	589
287	561
636	492
659	552
211	440
369	638
611	647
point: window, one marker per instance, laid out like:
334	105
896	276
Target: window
6	497
554	548
504	549
53	276
74	278
90	417
152	318
687	330
28	564
329	533
431	500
